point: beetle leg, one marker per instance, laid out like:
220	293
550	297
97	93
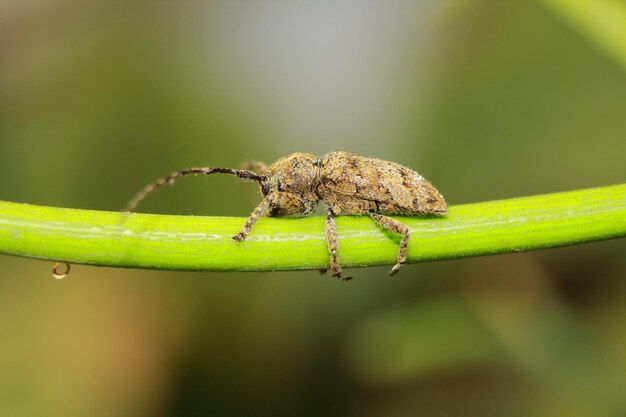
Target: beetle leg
333	245
257	167
256	213
396	227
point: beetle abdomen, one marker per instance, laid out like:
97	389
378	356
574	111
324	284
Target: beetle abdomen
354	184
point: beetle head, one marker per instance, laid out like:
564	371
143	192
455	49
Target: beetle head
289	184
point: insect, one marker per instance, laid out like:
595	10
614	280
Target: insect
347	183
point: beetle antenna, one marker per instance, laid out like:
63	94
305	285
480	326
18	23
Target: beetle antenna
148	189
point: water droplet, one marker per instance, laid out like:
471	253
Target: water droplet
60	275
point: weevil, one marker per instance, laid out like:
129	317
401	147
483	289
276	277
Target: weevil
348	184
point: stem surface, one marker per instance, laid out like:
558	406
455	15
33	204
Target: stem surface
204	243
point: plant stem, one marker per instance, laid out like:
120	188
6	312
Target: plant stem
204	243
602	21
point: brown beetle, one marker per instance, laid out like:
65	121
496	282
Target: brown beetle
346	183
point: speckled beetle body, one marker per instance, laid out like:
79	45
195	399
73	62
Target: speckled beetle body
346	183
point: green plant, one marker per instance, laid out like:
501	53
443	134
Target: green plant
204	243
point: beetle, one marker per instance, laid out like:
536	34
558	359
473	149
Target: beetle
348	184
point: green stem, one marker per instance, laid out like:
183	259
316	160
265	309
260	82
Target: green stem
602	21
204	243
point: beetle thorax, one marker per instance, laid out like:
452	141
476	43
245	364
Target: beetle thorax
292	183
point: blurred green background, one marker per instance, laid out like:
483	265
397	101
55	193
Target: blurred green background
486	99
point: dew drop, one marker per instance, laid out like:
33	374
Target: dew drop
60	275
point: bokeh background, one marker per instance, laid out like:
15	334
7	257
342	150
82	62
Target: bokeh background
487	99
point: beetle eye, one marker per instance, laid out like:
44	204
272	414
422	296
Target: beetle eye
265	188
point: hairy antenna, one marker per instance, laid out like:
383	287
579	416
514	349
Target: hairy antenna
148	189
